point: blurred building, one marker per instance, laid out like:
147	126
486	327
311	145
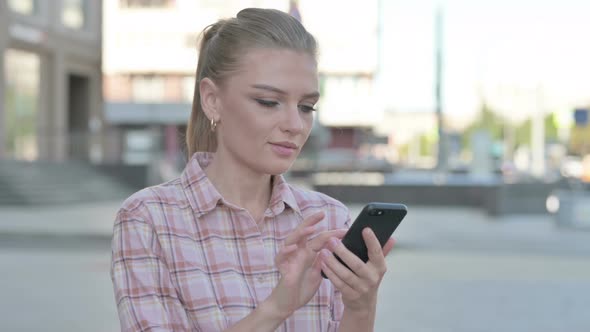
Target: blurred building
148	73
50	80
150	57
349	65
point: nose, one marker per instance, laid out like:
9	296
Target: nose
292	121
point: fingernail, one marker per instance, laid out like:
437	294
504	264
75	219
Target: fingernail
333	242
324	253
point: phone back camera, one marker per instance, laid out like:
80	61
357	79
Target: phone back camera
376	212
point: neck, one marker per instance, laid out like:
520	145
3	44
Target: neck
239	185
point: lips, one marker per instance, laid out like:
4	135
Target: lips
287	145
284	149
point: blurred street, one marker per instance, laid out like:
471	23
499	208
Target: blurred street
454	269
485	138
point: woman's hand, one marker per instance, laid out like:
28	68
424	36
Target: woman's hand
359	286
300	266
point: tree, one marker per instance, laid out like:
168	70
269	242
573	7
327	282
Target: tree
488	121
523	132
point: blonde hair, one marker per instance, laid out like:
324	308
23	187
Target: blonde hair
222	45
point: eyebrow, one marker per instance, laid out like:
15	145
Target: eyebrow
277	90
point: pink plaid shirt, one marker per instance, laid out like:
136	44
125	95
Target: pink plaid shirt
185	259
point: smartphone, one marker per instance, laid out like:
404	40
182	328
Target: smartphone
382	218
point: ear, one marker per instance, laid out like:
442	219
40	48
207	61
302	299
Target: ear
209	98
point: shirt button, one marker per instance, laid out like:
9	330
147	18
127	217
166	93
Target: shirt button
260	279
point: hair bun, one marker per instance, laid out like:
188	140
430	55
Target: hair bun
212	30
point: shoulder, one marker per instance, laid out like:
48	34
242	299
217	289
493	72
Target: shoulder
311	201
154	198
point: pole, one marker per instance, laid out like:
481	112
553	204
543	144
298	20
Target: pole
441	164
538	134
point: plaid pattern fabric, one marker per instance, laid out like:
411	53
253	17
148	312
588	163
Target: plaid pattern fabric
184	259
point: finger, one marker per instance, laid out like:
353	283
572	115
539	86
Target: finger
304	235
349	258
374	250
285	252
338	283
320	241
296	235
341	271
312	220
299	234
317	265
388	246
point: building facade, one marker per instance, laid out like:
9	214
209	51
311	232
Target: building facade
50	80
150	57
149	63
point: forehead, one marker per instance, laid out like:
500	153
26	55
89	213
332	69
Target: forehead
289	70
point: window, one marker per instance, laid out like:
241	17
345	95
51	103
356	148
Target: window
73	13
146	3
22	70
188	88
24	7
139	147
147	88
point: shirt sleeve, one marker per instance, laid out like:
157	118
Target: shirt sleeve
145	295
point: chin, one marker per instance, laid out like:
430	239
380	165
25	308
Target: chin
279	169
278	166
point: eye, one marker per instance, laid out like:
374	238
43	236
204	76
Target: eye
266	103
306	108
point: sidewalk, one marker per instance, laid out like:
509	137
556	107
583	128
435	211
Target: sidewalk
423	228
453	269
74	220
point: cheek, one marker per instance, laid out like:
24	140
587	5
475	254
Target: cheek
247	127
237	115
308	121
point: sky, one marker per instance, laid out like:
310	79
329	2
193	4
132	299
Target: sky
521	55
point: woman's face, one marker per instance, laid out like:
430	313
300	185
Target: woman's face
266	109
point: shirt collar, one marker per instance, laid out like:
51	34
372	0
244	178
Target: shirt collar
204	197
201	193
282	196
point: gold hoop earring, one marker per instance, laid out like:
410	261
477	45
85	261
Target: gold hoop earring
213	125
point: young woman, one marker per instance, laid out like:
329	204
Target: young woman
230	246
